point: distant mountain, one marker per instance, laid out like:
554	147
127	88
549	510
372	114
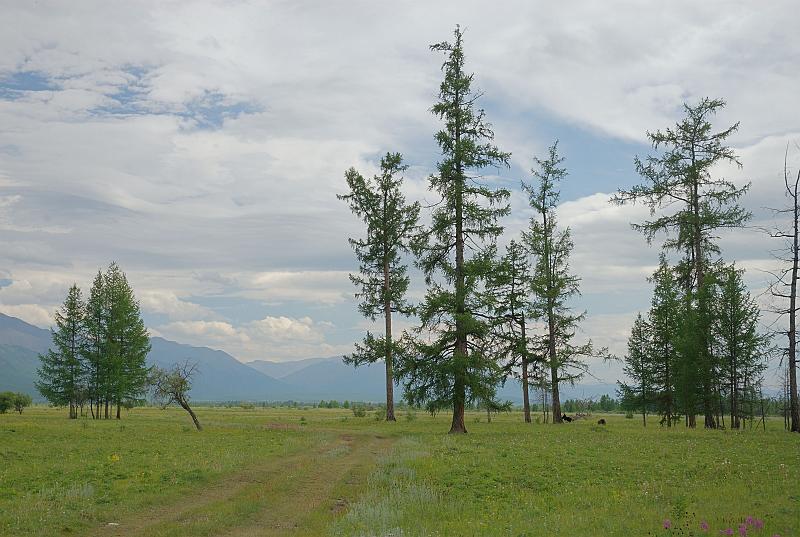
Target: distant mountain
512	391
18	369
220	376
281	369
17	332
330	378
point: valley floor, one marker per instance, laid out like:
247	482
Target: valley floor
317	472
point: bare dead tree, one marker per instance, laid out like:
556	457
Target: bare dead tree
784	286
173	385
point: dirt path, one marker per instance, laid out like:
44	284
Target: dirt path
299	494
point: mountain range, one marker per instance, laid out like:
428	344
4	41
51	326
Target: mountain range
221	377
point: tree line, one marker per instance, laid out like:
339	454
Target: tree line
490	315
99	352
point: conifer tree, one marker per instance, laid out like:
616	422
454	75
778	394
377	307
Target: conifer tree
383	279
552	284
94	351
639	368
61	371
664	320
127	341
681	177
508	293
451	366
740	346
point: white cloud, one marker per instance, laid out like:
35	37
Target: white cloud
270	338
108	160
167	303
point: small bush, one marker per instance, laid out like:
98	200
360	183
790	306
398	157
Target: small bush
629	415
359	411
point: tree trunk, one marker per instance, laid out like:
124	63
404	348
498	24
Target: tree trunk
188	409
460	351
457	426
556	397
794	404
526	405
387	312
118	405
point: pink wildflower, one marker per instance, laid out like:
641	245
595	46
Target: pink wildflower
667	524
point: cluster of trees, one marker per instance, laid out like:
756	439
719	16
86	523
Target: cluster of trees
474	327
99	351
674	375
16	400
698	351
489	315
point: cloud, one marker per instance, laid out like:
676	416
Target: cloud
270	338
202	146
167	303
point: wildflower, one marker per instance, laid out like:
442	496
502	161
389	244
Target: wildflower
667	524
743	529
758	523
704	526
749	521
728	531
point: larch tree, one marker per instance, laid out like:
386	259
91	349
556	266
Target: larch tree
740	345
127	341
638	395
508	294
61	370
664	320
552	285
382	280
94	351
452	365
681	177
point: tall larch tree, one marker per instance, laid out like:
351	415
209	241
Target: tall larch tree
94	351
382	280
552	285
127	341
61	370
451	365
681	177
508	294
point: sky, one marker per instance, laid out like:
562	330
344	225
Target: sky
201	146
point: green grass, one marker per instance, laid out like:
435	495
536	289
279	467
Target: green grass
60	477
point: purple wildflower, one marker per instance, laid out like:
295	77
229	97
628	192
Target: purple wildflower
743	530
758	523
728	531
667	524
704	526
749	521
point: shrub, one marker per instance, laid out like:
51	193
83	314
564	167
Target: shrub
359	411
7	400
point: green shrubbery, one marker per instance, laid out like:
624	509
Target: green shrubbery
17	401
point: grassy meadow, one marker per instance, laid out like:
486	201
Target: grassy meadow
326	472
